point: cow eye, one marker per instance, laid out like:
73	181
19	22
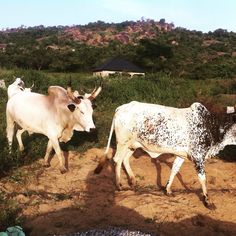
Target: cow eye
94	106
82	112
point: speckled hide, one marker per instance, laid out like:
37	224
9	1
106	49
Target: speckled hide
187	132
191	132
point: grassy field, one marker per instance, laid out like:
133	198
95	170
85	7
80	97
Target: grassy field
154	88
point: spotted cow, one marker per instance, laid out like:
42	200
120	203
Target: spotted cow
192	133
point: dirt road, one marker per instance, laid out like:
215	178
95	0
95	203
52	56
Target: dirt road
55	204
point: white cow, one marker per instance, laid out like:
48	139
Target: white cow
18	86
55	115
191	133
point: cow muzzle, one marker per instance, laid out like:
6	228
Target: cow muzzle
90	129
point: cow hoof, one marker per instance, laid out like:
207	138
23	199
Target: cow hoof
132	182
133	187
46	165
63	170
168	193
119	187
208	204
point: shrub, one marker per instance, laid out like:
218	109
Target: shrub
153	88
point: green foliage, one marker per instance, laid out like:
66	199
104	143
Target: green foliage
158	88
183	53
8	212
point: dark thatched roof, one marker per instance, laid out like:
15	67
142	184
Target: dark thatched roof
119	64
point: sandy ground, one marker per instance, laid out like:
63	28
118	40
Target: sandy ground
54	204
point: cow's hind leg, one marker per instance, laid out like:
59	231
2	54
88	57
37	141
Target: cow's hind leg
10	131
129	170
121	153
199	166
175	169
19	138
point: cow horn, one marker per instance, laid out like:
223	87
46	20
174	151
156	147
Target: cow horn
69	90
32	85
95	93
94	90
71	95
69	83
86	93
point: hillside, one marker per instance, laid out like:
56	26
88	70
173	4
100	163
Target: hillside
98	33
155	46
127	32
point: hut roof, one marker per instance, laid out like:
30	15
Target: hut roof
119	64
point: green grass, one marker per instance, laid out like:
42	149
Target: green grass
154	88
9	211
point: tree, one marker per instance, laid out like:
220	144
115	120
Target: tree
162	21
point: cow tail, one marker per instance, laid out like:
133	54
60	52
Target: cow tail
104	157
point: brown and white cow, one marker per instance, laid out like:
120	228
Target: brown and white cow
55	115
191	133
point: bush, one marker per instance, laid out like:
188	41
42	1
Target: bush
153	88
9	212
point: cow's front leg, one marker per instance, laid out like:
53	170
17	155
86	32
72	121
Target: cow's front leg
10	131
19	133
199	166
175	169
59	154
48	152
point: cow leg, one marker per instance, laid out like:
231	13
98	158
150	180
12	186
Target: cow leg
121	153
175	169
59	154
10	131
19	139
128	169
199	166
48	152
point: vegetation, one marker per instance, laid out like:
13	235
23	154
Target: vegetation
154	46
179	64
153	88
8	212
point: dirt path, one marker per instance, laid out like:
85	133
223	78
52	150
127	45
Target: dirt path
79	200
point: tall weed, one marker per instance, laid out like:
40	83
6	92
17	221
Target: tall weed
156	88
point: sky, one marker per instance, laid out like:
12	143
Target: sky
201	15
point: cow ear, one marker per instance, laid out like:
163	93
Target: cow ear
71	107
